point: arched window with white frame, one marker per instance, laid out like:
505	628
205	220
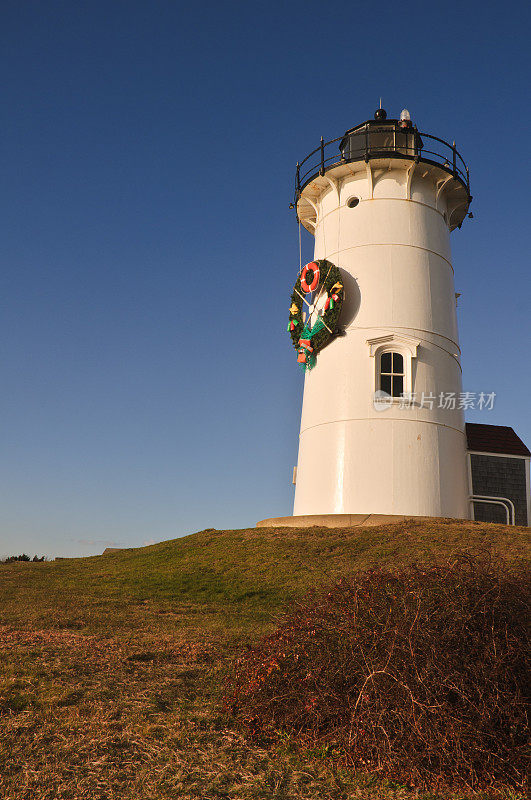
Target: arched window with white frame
393	364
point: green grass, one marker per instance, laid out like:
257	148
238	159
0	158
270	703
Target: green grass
111	666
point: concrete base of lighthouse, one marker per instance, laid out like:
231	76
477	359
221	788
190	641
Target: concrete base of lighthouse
335	520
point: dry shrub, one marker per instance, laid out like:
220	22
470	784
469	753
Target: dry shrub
418	673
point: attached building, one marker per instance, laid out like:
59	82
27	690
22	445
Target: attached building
499	474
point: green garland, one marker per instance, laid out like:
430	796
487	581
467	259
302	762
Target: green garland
330	285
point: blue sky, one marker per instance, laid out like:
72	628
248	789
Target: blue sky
149	388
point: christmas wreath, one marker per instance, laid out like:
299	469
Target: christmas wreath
316	303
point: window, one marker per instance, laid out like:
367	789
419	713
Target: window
352	202
392	373
393	355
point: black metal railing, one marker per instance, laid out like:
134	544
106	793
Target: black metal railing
387	140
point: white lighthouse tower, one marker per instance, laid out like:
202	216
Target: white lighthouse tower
381	429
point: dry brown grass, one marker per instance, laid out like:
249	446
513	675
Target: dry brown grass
98	717
112	668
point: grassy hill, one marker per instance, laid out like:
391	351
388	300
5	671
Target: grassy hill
110	666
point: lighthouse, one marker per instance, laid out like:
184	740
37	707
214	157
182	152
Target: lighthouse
373	322
382	425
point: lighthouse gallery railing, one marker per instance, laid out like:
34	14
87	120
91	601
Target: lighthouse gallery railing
385	141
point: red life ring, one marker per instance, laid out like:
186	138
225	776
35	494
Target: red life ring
314	266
